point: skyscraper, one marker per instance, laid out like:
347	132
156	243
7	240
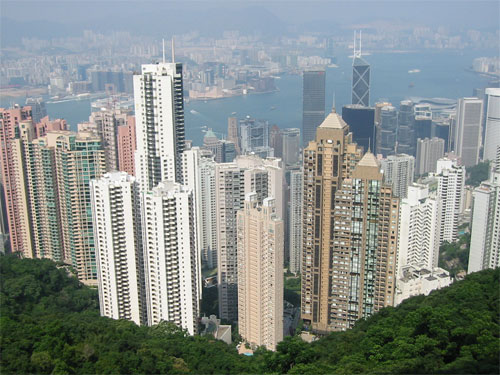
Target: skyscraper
360	77
127	145
233	133
348	255
295	220
260	273
172	272
451	182
118	240
233	180
419	229
485	232
428	153
276	141
468	130
254	136
492	132
79	159
387	131
398	172
361	121
313	103
291	146
18	233
159	115
406	133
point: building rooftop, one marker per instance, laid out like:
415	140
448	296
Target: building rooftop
333	121
368	160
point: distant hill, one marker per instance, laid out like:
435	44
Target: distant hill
50	324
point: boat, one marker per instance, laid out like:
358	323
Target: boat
273	108
233	113
194	112
413	71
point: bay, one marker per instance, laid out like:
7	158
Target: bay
442	74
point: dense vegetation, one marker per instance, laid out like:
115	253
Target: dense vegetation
50	324
477	174
454	256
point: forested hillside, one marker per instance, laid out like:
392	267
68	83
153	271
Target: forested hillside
50	324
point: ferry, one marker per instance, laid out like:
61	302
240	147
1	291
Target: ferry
413	71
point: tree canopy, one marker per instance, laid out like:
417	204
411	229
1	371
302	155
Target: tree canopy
50	323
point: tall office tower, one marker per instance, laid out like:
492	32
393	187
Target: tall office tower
43	195
159	116
9	121
276	141
398	172
419	229
38	110
233	133
171	263
361	121
492	131
313	103
246	174
118	242
378	121
468	130
406	133
126	146
451	185
79	158
327	160
260	273
295	220
291	146
441	129
107	123
360	76
485	233
428	153
388	130
254	135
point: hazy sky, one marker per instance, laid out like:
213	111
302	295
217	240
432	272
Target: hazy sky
68	17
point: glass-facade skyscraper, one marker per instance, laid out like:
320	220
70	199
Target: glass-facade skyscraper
360	81
313	103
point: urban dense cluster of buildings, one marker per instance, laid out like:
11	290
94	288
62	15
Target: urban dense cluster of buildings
358	207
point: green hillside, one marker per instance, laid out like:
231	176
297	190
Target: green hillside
50	324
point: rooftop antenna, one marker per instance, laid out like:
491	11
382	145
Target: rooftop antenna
369	145
333	105
173	50
360	42
163	40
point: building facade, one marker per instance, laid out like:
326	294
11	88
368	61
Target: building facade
295	220
428	153
468	130
313	103
492	131
260	273
398	172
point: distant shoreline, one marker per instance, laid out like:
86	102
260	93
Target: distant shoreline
232	96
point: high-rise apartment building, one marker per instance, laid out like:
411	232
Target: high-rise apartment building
485	233
118	241
295	220
468	130
246	174
343	245
388	127
260	272
18	233
406	133
428	153
107	122
398	172
127	145
313	103
361	121
159	116
451	184
172	272
79	158
419	229
492	131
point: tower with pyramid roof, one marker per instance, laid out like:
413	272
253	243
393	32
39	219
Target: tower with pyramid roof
349	231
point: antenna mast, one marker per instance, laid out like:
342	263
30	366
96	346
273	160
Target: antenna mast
163	41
